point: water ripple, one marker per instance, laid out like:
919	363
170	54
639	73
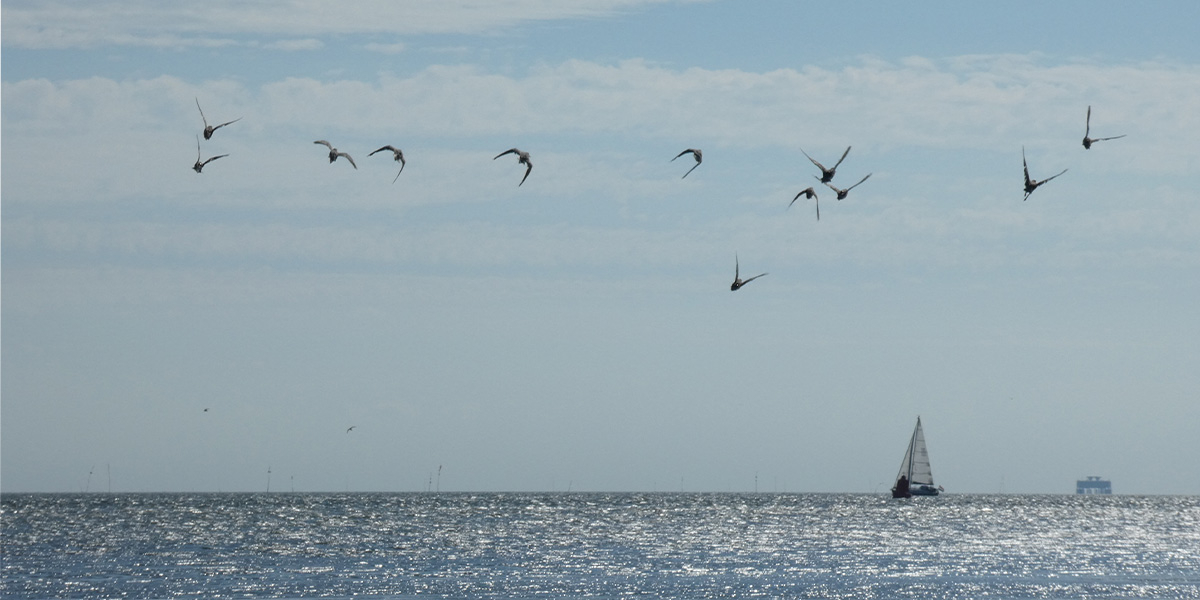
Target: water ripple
598	546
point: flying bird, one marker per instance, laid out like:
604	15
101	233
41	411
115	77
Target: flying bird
1088	141
812	194
209	129
200	165
522	159
827	174
1033	184
350	428
334	153
397	155
841	194
696	153
737	278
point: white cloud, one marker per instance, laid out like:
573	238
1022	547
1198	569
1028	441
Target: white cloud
983	104
64	24
297	44
942	137
396	48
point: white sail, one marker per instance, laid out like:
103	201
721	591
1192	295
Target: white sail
919	471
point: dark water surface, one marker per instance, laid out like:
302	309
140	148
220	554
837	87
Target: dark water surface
528	545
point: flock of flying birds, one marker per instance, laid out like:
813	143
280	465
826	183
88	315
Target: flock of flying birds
827	173
1033	184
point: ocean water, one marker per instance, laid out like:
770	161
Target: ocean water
598	545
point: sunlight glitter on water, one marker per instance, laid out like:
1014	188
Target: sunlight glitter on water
599	545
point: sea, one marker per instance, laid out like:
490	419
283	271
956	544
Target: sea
598	545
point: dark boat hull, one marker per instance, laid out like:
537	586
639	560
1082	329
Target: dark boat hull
904	490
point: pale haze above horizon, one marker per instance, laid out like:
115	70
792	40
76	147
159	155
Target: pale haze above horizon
286	321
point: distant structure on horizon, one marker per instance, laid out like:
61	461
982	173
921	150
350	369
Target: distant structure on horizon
1093	485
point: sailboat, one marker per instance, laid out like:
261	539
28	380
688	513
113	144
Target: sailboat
915	477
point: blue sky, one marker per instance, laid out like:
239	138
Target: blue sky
578	332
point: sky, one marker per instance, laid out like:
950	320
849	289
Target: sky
167	330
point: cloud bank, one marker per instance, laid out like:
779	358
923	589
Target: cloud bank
942	137
59	24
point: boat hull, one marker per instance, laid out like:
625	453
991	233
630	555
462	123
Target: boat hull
922	490
908	491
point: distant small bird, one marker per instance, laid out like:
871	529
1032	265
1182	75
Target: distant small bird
334	154
841	194
695	153
350	428
827	174
209	129
1033	184
1088	141
200	165
522	159
206	410
812	195
737	279
397	155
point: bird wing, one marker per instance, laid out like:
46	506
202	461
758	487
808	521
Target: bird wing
860	181
509	151
325	143
349	158
681	154
197	148
841	159
212	159
201	113
402	163
809	192
1115	137
748	280
528	168
382	149
827	184
814	161
1026	165
1049	178
227	123
691	169
1088	128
